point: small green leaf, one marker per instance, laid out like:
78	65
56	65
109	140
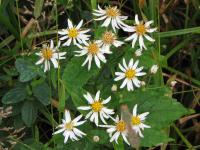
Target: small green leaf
75	76
42	93
29	113
38	8
15	95
27	70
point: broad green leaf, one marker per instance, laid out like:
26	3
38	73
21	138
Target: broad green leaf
27	70
75	75
42	93
154	137
38	8
29	112
15	95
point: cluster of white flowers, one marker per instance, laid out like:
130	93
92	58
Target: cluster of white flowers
99	110
98	49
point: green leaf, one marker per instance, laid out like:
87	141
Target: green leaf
38	8
27	70
62	96
94	4
153	137
15	95
42	93
29	113
75	76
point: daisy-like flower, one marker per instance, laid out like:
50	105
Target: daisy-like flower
138	121
110	15
130	74
74	33
92	50
108	39
140	30
120	128
48	53
96	105
68	127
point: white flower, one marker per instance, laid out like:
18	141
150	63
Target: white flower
114	88
138	121
154	69
140	30
68	127
108	39
110	15
142	83
74	33
173	83
129	73
93	50
120	128
138	52
97	108
49	53
96	138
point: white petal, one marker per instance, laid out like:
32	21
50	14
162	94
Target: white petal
88	115
122	68
79	25
97	97
130	63
125	139
106	22
137	20
124	83
124	64
39	61
149	38
106	100
70	25
89	98
59	131
55	63
84	107
135	64
143	115
97	61
135	110
67	116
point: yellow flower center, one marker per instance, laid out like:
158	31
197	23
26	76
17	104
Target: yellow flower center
108	37
121	126
136	120
130	73
72	33
93	48
47	53
69	126
141	29
112	12
97	106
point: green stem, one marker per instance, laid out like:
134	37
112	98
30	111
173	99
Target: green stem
187	143
175	49
178	32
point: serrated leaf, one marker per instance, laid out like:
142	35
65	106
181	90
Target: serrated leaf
29	113
38	8
26	69
42	93
15	95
